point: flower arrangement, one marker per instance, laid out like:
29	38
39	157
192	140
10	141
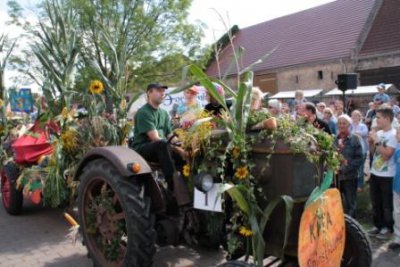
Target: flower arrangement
233	150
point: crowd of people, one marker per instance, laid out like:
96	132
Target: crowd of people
376	134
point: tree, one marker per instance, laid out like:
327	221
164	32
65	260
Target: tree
131	32
6	48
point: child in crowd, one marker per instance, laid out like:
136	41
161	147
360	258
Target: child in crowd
382	145
396	197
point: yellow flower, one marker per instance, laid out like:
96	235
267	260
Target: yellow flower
244	231
123	104
64	113
69	140
241	172
96	87
186	170
235	152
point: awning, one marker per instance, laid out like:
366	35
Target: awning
290	94
362	90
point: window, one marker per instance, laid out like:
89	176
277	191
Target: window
320	75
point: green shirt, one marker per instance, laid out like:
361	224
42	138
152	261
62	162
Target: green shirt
147	119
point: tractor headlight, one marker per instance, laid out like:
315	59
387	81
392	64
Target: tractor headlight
204	182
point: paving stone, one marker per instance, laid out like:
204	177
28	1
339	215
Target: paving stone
38	238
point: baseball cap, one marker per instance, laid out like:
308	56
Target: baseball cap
156	85
382	85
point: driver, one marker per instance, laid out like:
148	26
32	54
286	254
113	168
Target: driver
152	128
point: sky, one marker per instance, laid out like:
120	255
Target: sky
242	13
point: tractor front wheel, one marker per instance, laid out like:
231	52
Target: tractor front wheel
115	219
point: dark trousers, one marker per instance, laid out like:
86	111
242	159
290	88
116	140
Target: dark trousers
161	152
381	191
348	189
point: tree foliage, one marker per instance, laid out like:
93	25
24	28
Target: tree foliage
120	39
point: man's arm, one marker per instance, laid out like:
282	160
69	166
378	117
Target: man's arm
153	135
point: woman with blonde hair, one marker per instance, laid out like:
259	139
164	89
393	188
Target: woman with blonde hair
256	98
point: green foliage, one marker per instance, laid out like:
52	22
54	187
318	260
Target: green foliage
6	47
57	48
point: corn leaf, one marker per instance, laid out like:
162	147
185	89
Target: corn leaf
288	201
240	200
206	82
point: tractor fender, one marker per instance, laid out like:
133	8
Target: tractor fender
120	157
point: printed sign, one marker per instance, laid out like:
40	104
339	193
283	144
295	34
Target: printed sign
22	100
210	201
322	232
171	100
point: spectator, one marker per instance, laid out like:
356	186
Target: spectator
339	108
320	110
382	145
299	97
331	120
310	113
358	128
381	98
214	106
190	103
349	147
256	98
370	115
285	108
274	108
396	197
395	122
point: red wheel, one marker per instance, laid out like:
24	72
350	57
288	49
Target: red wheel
11	197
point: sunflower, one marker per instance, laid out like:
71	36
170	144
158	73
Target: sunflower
235	152
186	170
69	140
241	172
96	87
244	231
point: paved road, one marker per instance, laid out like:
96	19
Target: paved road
38	238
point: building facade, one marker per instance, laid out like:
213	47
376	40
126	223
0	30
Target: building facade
313	46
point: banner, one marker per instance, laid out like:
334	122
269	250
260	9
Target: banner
21	101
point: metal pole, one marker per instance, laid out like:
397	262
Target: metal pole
344	102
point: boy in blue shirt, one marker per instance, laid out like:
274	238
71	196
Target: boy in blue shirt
396	197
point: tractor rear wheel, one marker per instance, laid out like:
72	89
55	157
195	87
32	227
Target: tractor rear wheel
11	197
357	249
115	218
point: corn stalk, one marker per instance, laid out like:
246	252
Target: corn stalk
57	48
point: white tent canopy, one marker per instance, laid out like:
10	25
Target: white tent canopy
290	94
362	90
